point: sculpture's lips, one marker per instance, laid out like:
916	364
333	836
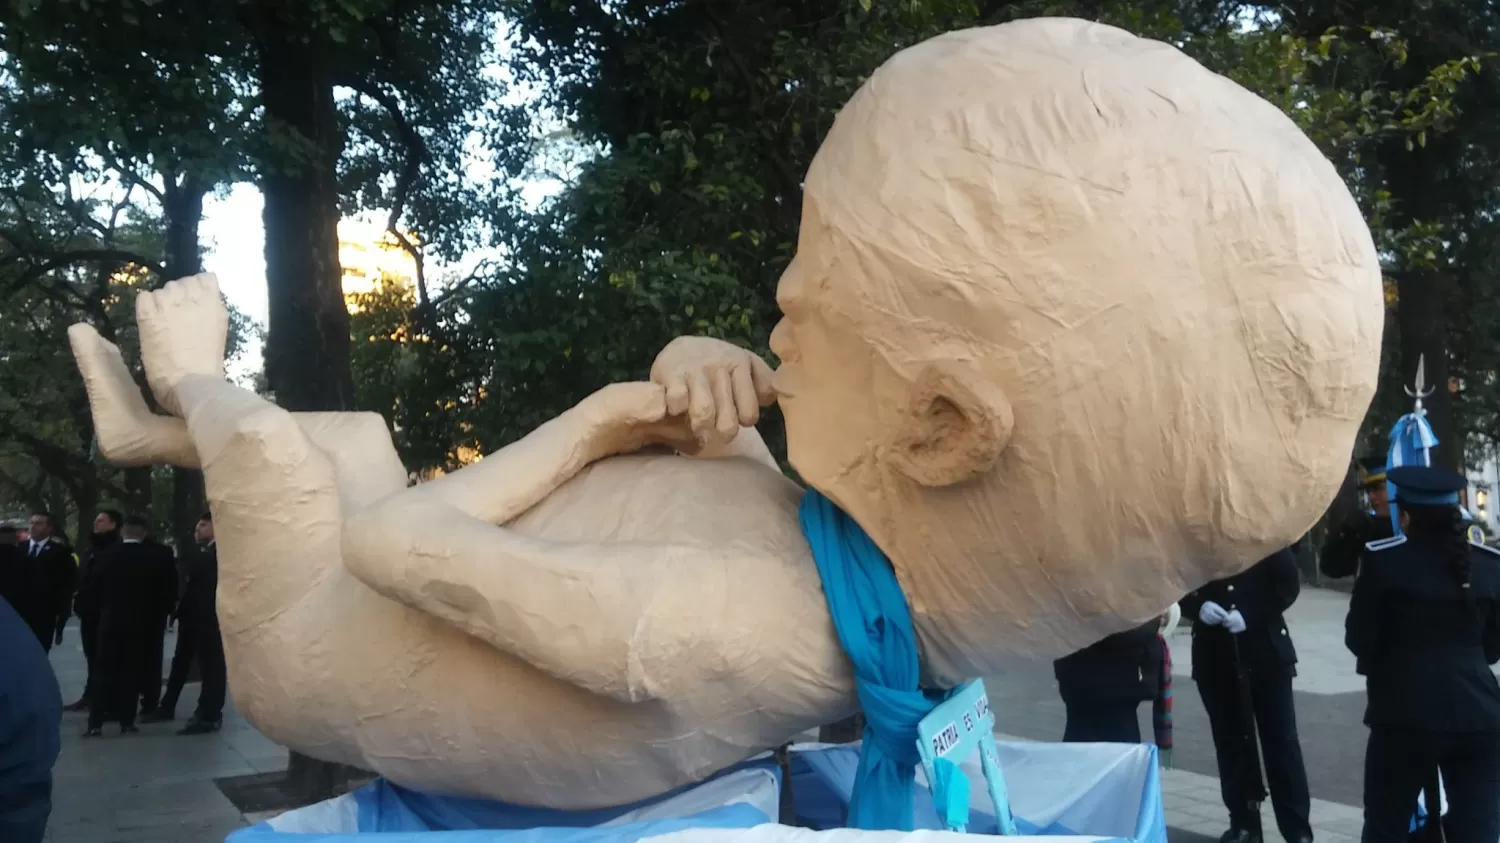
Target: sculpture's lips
783	383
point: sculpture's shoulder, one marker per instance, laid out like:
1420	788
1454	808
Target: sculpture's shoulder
668	499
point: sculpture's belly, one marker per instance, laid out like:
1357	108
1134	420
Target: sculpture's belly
395	691
669	499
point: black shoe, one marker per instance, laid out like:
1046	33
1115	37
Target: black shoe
1240	835
158	716
200	727
129	730
94	732
81	704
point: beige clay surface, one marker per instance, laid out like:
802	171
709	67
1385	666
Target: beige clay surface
1074	326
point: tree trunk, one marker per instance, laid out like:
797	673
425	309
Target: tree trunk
138	492
184	213
307	343
86	499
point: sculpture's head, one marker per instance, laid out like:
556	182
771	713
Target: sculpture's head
1074	326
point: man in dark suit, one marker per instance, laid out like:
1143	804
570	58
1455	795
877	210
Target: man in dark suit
1243	664
162	573
128	579
45	583
198	637
30	725
1104	684
1353	522
86	599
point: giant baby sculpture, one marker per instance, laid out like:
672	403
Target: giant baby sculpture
1074	326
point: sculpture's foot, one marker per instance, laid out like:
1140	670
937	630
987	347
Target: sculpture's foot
184	327
127	431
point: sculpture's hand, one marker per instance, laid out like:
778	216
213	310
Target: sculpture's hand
625	417
129	433
184	327
721	387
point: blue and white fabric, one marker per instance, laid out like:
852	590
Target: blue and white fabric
742	798
1412	441
1082	792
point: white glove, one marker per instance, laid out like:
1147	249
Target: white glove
1235	622
1212	614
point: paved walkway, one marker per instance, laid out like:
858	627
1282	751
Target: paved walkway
154	787
157	787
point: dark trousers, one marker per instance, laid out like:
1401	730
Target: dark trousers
201	641
117	660
41	627
88	633
1281	750
1397	765
151	657
1102	721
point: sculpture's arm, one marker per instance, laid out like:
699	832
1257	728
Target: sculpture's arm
617	419
577	611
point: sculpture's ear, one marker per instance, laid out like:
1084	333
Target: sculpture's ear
954	426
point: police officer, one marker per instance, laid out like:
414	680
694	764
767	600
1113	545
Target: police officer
1424	627
1243	664
1350	530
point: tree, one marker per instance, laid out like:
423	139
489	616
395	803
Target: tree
67	258
1442	189
167	122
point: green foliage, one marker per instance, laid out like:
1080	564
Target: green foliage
412	377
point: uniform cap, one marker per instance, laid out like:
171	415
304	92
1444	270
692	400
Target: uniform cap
1423	485
1372	471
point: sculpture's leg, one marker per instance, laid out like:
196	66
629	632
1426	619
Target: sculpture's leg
366	465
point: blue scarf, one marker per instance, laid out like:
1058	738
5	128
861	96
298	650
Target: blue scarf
874	626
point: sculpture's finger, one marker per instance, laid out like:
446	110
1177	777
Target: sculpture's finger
677	395
700	403
761	375
726	419
745	398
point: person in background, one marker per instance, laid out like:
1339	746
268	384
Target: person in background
1424	628
30	731
198	638
44	589
162	574
1354	523
1243	663
126	579
86	600
10	563
1103	685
